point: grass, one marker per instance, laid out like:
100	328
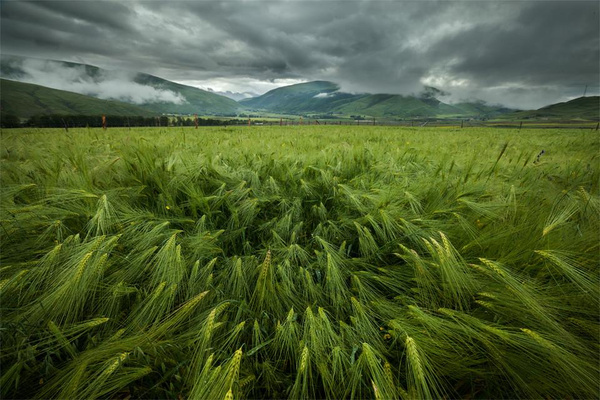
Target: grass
299	262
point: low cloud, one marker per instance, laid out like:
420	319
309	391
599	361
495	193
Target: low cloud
236	95
519	53
103	84
249	87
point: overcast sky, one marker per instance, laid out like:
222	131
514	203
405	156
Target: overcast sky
518	53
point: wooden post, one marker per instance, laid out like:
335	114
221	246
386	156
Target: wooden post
521	125
280	121
196	120
103	121
248	121
597	125
65	125
300	120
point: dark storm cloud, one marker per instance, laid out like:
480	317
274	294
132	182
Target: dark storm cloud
543	45
112	16
524	54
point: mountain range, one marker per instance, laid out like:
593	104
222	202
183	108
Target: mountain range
36	86
154	94
582	108
325	98
26	100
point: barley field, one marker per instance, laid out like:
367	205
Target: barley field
299	262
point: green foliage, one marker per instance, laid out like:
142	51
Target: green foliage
305	262
9	120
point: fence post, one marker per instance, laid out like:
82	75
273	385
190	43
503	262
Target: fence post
65	125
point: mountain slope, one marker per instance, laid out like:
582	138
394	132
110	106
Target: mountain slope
325	97
482	109
25	100
197	100
389	105
310	96
582	108
153	93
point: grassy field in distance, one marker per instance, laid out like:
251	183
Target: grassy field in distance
299	262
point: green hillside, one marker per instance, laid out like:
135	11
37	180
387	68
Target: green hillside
482	109
196	100
299	98
390	105
25	100
582	108
324	97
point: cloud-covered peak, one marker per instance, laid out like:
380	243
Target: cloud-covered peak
87	80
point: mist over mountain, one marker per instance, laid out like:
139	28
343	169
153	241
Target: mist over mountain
326	98
151	92
57	81
25	100
86	79
237	96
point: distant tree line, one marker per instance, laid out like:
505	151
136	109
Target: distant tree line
95	121
186	121
9	121
92	121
